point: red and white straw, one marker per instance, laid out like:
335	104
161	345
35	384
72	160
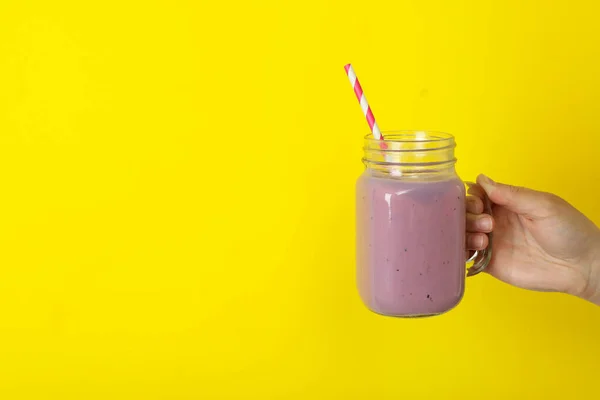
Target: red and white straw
362	100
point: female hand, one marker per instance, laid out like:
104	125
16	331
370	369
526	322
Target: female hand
541	242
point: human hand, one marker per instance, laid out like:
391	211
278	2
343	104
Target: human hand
541	242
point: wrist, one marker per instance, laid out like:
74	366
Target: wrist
592	287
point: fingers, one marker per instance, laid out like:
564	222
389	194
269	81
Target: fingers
479	223
477	241
474	205
517	199
475	190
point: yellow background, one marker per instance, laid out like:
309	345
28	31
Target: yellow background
177	195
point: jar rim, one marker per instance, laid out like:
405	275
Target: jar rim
413	136
410	151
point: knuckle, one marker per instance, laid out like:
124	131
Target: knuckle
555	200
550	201
514	189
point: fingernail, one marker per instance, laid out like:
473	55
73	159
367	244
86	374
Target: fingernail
479	241
487	180
485	223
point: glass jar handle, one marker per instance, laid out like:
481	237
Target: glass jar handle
481	258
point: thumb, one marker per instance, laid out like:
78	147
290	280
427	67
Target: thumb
517	199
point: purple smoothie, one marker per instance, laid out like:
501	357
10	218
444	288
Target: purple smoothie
410	244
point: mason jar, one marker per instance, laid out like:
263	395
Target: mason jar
410	232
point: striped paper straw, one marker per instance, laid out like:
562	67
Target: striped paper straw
362	100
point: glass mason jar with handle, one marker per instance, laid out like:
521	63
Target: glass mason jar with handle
410	232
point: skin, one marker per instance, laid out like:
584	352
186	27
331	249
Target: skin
540	243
